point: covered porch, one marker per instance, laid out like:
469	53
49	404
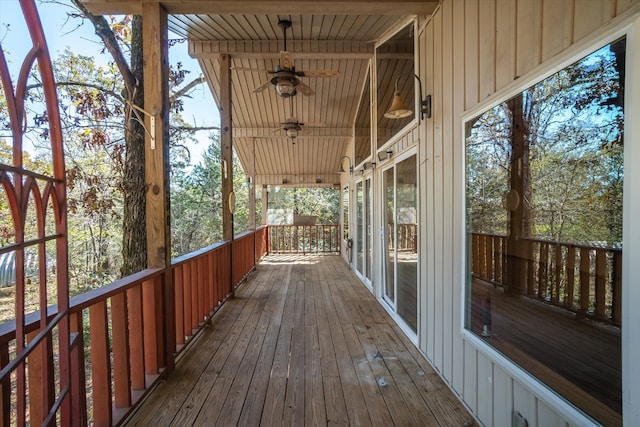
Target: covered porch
302	343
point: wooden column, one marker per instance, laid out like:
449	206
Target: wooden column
265	205
226	142
518	248
156	103
251	172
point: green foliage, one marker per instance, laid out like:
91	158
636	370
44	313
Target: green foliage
324	203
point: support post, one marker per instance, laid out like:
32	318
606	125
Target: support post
265	205
226	141
251	172
156	103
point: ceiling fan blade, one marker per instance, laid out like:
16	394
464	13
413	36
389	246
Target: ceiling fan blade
304	89
262	87
316	125
286	59
258	70
318	73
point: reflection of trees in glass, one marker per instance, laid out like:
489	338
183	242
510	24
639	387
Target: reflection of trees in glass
345	212
570	160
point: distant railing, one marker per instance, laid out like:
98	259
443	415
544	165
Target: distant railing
304	239
125	335
407	237
583	279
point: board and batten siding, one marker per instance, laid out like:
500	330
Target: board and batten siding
469	50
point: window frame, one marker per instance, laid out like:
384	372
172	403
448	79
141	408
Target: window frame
629	27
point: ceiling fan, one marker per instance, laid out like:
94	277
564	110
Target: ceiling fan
292	127
286	78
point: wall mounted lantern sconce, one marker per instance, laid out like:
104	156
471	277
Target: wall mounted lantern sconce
341	170
399	109
385	155
368	165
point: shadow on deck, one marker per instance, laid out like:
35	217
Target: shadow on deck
302	343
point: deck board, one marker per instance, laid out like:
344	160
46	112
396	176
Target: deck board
303	342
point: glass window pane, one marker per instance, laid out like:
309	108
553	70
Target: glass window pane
544	179
395	74
389	233
362	127
359	221
407	240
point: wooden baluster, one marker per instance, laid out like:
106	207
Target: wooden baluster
150	338
530	262
482	257
136	348
616	288
497	259
5	388
584	280
211	268
36	381
78	379
188	299
570	269
543	260
201	291
179	303
161	326
489	257
557	276
120	339
100	365
475	257
206	277
601	284
193	266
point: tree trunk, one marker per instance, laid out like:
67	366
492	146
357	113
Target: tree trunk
518	247
134	245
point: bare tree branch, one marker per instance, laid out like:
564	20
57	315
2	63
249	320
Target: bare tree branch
104	32
184	90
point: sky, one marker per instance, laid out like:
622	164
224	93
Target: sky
62	32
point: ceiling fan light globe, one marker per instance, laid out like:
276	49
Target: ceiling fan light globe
292	133
285	88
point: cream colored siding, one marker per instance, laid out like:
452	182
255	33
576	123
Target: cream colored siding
469	50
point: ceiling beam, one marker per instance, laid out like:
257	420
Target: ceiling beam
270	49
254	7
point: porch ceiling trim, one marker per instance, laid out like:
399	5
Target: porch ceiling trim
220	7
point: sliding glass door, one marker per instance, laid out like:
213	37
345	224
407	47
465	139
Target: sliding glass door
400	218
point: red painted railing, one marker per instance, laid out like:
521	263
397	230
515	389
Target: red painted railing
581	278
118	348
304	239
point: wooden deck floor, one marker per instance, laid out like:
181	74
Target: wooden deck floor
303	343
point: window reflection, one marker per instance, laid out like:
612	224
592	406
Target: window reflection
407	240
544	178
395	58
